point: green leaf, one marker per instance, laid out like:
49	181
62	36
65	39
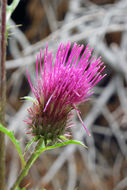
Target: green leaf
10	134
66	143
43	148
29	98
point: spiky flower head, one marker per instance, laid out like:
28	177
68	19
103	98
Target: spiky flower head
63	84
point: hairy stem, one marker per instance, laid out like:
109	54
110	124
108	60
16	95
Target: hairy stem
2	91
28	165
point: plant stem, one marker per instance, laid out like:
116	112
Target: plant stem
2	91
11	8
29	163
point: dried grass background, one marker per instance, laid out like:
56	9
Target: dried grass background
102	24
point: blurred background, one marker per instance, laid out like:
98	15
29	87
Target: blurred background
102	24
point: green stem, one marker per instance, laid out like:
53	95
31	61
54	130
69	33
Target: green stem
38	150
29	163
2	91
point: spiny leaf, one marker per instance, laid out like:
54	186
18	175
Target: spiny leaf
66	143
43	148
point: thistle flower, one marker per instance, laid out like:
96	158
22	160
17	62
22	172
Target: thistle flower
63	84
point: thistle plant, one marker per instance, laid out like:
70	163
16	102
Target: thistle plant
62	83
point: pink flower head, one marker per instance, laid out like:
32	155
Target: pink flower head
62	85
